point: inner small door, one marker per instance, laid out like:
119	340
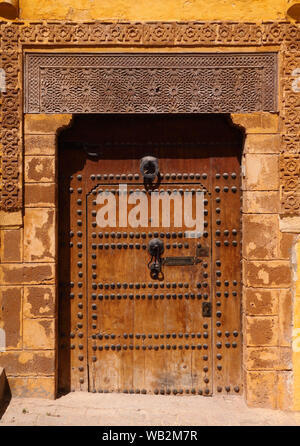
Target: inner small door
152	303
148	327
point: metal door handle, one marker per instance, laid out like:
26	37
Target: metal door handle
155	249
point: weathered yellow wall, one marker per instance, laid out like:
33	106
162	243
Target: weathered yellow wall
143	10
173	10
296	334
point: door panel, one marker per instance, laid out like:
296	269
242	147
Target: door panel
122	330
135	319
226	233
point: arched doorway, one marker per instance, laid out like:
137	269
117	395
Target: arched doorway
121	327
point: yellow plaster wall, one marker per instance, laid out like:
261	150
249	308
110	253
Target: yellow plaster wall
296	334
145	10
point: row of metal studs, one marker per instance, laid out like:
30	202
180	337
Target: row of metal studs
156	391
150	296
167	176
136	176
149	335
94	358
143	235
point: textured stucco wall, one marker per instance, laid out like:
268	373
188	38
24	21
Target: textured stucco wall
142	10
296	327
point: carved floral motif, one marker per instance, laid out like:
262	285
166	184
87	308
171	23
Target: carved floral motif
124	83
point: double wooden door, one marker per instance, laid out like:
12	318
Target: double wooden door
146	306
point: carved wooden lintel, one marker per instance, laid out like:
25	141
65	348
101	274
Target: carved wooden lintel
150	83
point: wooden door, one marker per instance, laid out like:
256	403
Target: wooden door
123	329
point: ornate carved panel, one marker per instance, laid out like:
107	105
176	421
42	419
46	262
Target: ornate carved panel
14	36
150	83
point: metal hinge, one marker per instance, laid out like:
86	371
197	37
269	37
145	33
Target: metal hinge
206	309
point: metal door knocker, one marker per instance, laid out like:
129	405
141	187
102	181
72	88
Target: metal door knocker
149	168
156	249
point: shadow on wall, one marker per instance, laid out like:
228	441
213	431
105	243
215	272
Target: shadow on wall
9	9
294	9
5	393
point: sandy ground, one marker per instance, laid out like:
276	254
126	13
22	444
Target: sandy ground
88	409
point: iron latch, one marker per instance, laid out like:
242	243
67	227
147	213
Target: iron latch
180	261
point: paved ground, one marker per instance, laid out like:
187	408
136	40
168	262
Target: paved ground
87	409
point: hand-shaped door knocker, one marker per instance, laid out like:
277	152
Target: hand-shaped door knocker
156	249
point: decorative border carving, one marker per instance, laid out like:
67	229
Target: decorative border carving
150	83
14	36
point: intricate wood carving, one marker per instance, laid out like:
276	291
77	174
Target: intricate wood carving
14	35
150	83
